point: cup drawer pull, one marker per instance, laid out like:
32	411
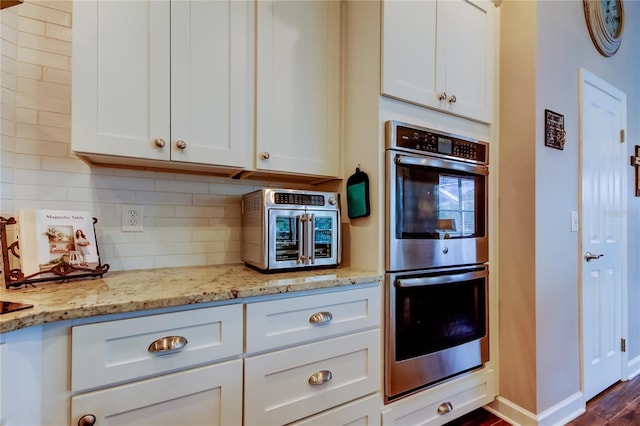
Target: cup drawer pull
320	377
444	408
167	344
320	318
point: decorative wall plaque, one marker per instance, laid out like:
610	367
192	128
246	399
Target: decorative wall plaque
554	133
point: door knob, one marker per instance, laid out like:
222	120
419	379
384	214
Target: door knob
87	420
588	256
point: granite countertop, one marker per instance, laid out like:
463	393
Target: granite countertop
127	291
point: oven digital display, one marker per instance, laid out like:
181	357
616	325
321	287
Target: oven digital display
444	145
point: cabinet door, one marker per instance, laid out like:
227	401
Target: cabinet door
440	54
205	396
117	351
212	82
120	79
465	56
298	110
291	384
408	52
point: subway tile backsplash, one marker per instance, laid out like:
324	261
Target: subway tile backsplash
188	219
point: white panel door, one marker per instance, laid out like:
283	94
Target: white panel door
298	86
212	82
603	203
121	77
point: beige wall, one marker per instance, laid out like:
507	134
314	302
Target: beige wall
544	44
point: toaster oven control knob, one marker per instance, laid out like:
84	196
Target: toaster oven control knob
332	201
181	144
265	155
159	143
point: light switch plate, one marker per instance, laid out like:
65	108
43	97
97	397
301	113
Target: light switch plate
574	221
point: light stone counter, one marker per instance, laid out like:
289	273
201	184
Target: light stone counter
127	291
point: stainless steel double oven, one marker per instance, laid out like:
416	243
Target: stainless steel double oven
436	319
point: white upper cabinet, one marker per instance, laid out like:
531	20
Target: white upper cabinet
298	87
160	80
440	54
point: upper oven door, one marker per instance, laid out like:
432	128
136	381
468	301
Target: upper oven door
436	212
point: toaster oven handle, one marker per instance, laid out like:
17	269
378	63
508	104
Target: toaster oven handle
300	225
311	227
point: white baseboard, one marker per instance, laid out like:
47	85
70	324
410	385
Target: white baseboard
557	415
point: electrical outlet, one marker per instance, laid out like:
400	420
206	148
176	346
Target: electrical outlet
132	218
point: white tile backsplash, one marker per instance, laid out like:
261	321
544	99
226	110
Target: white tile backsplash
188	219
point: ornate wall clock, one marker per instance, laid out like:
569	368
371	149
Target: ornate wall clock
605	20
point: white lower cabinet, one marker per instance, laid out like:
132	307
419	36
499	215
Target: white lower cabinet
167	369
209	395
288	385
442	403
308	354
364	411
311	359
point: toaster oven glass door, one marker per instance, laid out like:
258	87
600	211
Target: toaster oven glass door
302	238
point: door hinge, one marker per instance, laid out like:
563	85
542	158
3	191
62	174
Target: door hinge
622	136
623	345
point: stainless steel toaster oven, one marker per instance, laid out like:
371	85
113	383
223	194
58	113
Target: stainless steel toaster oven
285	229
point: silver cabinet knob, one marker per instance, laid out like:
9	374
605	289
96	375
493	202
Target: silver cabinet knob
265	155
445	407
443	96
159	143
452	99
181	144
87	420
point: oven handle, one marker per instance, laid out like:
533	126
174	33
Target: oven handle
409	160
438	279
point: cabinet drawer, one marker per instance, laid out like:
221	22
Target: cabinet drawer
464	395
209	395
284	322
277	383
364	411
118	351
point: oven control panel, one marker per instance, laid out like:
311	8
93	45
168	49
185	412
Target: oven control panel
428	141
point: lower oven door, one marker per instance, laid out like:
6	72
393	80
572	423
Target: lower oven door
436	327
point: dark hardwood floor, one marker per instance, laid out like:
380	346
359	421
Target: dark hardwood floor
617	406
